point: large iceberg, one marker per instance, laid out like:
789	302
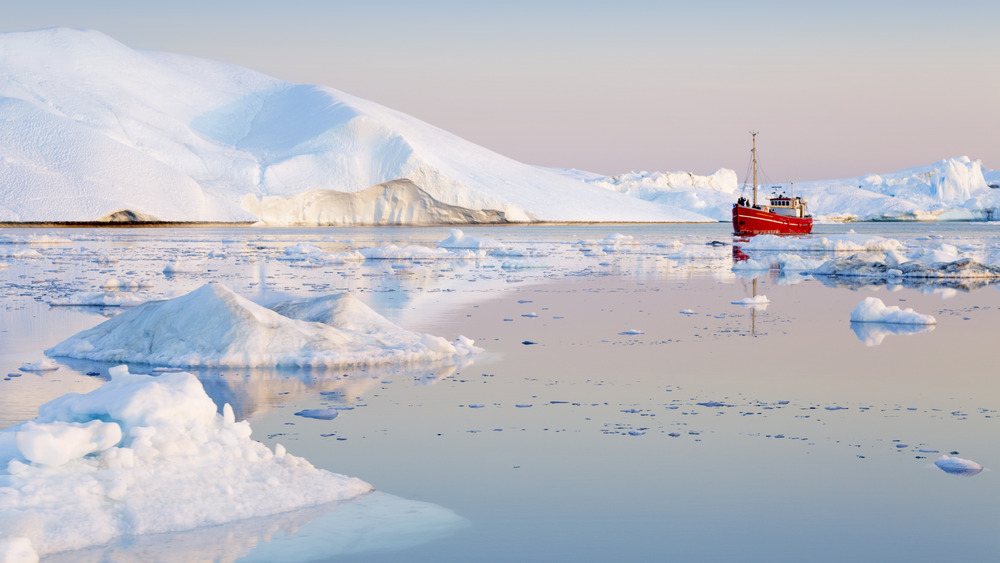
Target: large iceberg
85	115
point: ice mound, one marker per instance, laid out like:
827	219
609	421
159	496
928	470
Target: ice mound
144	455
212	326
958	466
873	310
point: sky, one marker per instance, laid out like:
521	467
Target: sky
836	90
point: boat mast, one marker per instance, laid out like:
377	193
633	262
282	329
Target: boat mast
753	153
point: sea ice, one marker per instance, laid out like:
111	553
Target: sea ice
873	310
958	466
320	414
41	365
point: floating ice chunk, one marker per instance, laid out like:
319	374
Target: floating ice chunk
302	250
631	332
757	302
751	265
28	253
41	365
958	466
458	239
182	267
686	312
56	443
873	310
321	414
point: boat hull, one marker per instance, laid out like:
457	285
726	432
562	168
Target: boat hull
749	221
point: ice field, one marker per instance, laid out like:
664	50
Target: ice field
585	393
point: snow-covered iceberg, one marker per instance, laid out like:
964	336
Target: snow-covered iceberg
85	115
144	455
213	326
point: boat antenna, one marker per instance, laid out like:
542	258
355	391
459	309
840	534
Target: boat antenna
753	153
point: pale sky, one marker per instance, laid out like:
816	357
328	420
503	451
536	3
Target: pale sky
837	89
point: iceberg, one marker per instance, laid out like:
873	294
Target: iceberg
144	455
212	326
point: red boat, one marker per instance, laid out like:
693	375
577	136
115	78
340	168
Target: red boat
782	215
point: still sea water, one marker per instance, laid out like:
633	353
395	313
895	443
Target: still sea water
624	407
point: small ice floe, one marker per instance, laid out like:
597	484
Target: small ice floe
458	239
100	299
958	466
41	365
873	310
530	315
179	266
145	455
631	332
213	326
751	265
28	253
638	432
757	302
320	414
413	252
686	312
302	251
115	284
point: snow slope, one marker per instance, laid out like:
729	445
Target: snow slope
91	127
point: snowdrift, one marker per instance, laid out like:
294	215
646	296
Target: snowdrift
212	326
92	127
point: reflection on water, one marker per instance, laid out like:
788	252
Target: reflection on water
872	334
378	522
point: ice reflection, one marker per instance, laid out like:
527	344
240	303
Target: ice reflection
252	392
379	522
872	334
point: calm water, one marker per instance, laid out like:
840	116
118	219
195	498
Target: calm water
624	407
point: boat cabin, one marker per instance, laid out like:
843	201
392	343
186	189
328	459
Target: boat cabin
788	206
